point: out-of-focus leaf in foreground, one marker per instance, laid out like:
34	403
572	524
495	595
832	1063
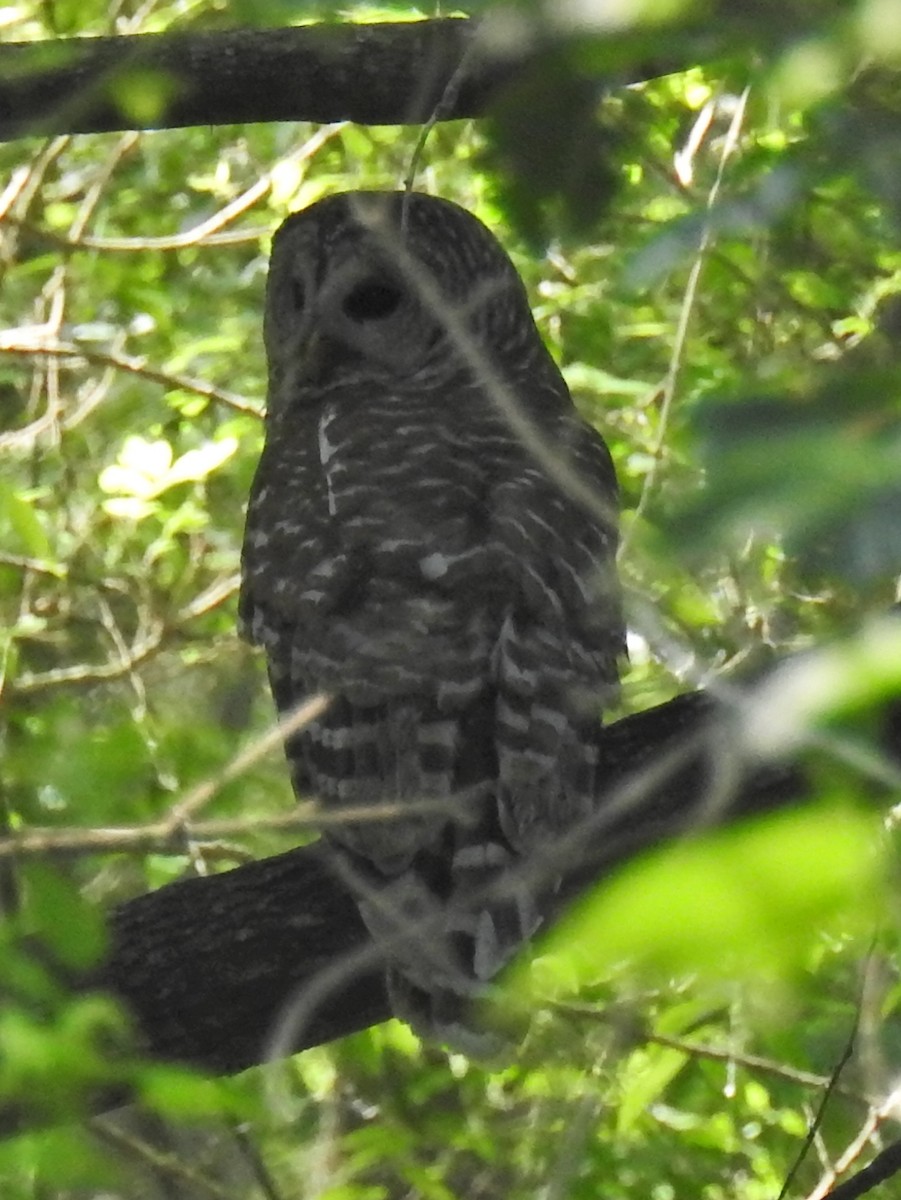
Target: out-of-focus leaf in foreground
555	154
737	903
820	470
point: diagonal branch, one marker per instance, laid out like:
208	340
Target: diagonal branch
884	1166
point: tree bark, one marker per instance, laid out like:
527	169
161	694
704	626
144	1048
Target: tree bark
209	965
228	971
224	971
382	74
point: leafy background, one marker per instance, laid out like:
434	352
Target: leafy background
713	258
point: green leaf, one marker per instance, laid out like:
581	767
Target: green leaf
738	903
20	529
73	929
180	1093
143	95
556	154
645	1079
198	464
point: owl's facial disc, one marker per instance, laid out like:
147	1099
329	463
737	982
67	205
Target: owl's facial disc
360	294
364	311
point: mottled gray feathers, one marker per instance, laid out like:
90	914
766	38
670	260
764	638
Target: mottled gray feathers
437	571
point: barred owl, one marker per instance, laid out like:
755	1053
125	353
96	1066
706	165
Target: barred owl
430	542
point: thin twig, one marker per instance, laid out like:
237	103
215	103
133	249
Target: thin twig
206	232
10	344
750	1062
83	673
140	650
828	1091
445	104
305	714
689	298
754	1062
167	1165
883	1167
164	836
37	565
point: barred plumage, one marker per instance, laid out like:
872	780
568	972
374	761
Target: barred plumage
430	541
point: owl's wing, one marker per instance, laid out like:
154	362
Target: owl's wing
557	653
546	588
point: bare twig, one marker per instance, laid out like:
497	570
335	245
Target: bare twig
32	343
828	1091
755	1062
166	835
208	232
730	142
883	1167
186	808
169	1166
142	648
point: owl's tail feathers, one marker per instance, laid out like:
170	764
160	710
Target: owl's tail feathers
444	1017
447	934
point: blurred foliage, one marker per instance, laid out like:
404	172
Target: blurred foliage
713	258
756	892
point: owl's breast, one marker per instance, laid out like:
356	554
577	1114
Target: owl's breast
371	509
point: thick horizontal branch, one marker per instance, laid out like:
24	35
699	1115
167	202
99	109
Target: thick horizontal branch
389	73
383	74
227	971
208	965
211	966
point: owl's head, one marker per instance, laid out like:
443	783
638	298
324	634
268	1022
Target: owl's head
390	286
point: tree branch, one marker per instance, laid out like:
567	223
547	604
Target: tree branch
227	971
886	1164
382	74
391	73
209	965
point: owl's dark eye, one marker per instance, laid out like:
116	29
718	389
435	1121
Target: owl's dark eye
371	300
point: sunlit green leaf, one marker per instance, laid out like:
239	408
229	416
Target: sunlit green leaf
743	902
70	926
19	526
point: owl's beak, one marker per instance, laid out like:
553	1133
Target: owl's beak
322	355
